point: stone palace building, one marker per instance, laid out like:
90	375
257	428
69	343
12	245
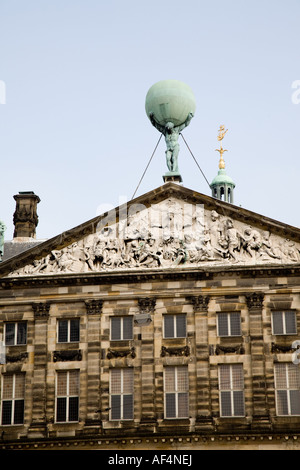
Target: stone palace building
171	322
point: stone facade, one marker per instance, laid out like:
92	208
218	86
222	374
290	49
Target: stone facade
199	295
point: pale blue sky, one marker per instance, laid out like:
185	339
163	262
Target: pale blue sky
74	128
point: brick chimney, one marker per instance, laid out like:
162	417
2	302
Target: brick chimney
25	216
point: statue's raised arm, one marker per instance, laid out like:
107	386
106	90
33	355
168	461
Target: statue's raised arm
158	126
186	122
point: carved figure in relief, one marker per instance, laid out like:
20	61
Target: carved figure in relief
216	232
234	239
266	249
251	241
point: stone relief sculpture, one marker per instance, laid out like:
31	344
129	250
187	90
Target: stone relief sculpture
167	235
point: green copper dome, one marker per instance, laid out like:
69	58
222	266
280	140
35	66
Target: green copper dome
222	178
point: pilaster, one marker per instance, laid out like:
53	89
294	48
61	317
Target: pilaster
261	419
94	311
200	307
38	423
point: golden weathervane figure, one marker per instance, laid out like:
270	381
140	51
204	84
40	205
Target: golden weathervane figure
221	136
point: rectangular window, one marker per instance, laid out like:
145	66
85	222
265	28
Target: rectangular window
121	328
67	396
231	387
175	326
121	394
176	386
15	333
284	323
229	324
287	389
13	399
68	330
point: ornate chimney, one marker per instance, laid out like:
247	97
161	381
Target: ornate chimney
25	216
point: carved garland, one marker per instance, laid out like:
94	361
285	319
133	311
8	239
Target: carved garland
114	353
184	351
70	355
239	349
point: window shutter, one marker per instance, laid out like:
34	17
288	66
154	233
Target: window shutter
22	333
9	334
63	331
169	326
277	323
74	330
290	323
181	326
222	324
235	324
226	404
115	328
127	328
170	405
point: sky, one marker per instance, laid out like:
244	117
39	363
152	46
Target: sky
74	75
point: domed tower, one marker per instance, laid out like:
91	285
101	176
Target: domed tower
222	185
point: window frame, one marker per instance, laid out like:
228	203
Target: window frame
16	332
122	319
67	396
231	390
229	324
174	325
288	388
122	394
283	322
13	399
68	320
176	392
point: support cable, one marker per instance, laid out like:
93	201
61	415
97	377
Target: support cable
195	160
147	167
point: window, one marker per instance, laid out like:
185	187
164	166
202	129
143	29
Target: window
67	396
175	326
121	394
15	333
229	324
231	386
287	389
284	323
68	331
176	392
13	393
121	328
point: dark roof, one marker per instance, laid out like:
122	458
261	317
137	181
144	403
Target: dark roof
14	248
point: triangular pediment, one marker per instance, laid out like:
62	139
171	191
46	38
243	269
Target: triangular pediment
167	228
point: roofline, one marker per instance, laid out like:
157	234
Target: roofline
129	276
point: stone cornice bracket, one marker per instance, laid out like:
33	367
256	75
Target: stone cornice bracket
41	309
199	302
93	306
147	305
255	301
